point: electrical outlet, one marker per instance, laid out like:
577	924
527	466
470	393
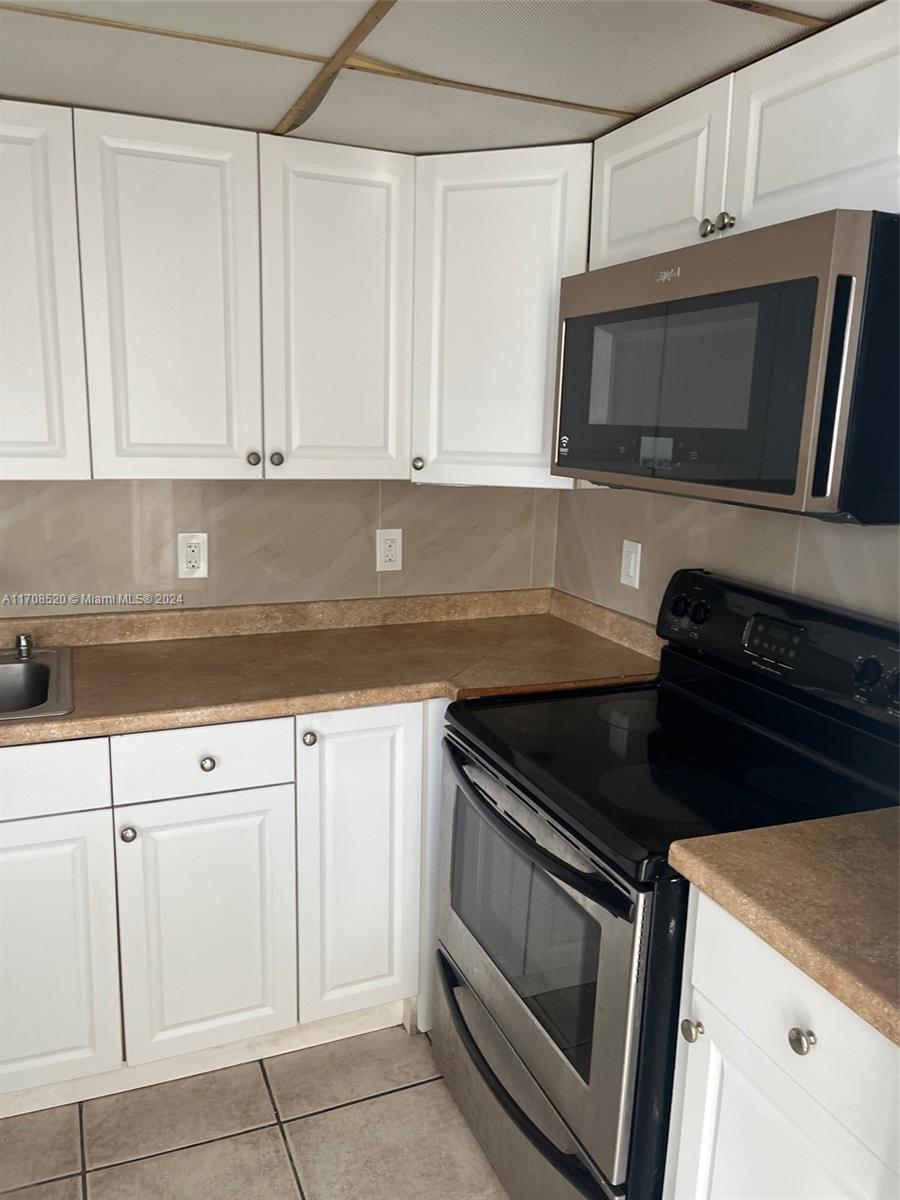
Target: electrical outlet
630	574
388	549
193	557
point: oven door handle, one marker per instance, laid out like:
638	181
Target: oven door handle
592	887
569	1165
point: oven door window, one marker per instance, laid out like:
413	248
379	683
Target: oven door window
545	944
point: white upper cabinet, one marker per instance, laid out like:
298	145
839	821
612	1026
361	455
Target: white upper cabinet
43	403
657	178
337	262
495	233
814	127
170	260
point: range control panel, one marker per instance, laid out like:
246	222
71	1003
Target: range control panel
815	648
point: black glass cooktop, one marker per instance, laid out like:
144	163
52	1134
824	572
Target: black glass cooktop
633	769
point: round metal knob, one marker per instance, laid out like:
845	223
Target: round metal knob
207	764
254	458
309	739
801	1041
724	220
706	227
691	1030
276	458
418	463
128	834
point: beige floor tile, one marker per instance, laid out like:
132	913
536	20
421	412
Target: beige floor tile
38	1146
169	1115
351	1069
405	1146
59	1189
250	1166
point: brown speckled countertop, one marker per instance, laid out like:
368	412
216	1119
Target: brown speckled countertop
823	893
140	685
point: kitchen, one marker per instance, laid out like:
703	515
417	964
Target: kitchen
449	569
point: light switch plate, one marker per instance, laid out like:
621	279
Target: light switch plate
631	564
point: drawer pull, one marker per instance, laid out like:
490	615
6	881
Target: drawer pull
128	834
801	1041
691	1030
207	764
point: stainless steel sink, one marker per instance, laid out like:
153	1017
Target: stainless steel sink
35	682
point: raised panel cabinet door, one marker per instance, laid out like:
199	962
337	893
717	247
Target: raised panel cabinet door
337	261
43	396
207	913
495	233
658	177
747	1129
814	127
359	852
59	962
168	219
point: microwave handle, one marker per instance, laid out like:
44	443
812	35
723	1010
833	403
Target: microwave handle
592	887
570	1166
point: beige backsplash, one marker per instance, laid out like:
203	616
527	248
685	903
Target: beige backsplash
851	566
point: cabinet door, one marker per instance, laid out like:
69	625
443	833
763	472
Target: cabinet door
814	127
43	400
658	177
358	829
170	263
59	964
495	233
337	230
747	1129
207	912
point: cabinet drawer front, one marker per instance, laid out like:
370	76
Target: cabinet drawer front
158	766
54	777
852	1071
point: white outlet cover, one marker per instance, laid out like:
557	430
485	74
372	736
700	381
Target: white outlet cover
192	548
630	574
388	549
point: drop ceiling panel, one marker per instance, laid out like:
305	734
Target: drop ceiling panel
312	26
624	54
418	118
87	66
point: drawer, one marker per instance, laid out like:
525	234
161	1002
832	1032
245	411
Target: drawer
208	758
54	777
853	1070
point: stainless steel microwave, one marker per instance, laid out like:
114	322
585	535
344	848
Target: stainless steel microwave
761	369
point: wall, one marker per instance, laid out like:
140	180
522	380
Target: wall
269	540
851	566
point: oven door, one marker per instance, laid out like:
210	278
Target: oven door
550	942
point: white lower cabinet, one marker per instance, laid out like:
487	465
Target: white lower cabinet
208	920
359	776
59	970
751	1117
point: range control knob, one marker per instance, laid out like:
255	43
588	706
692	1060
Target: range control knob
700	612
893	687
867	672
679	606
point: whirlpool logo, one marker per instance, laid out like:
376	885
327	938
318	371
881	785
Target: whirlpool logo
563	446
667	274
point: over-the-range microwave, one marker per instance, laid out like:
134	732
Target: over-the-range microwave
761	369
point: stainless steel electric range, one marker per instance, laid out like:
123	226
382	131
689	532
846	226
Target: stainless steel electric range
561	924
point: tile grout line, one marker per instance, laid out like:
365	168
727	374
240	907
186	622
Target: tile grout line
84	1189
404	1087
36	1183
222	1137
284	1138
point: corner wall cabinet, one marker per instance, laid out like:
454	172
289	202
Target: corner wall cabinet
759	1112
43	400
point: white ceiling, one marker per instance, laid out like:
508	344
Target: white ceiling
621	54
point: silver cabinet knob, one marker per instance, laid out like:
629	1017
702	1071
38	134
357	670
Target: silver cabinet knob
309	738
724	221
254	458
128	834
276	458
418	463
207	764
801	1041
691	1030
706	227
